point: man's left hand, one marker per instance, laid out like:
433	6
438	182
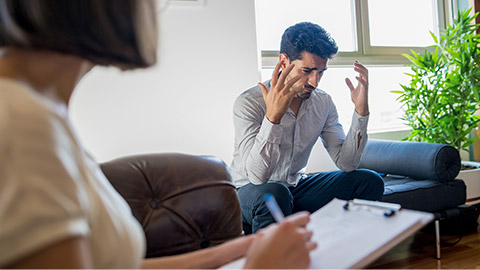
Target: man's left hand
360	92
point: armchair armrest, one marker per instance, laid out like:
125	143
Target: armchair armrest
183	202
417	160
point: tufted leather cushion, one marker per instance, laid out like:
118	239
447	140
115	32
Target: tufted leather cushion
183	202
413	159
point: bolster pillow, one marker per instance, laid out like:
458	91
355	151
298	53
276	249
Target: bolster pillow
417	160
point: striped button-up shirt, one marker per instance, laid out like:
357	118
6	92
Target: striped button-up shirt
266	152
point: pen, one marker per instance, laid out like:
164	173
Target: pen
274	208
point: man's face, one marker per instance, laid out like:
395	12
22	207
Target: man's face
310	68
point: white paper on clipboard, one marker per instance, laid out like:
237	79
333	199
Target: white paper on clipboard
354	238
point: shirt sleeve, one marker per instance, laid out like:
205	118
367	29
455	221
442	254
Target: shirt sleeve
258	140
345	151
42	200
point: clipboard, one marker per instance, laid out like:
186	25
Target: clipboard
354	237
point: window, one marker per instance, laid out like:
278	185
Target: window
375	32
372	31
385	30
274	16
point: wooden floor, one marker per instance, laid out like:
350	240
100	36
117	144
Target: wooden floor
418	252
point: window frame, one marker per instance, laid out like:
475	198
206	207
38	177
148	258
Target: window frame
365	53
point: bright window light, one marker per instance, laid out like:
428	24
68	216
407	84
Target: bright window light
274	16
403	23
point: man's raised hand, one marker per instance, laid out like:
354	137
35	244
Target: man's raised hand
359	93
281	94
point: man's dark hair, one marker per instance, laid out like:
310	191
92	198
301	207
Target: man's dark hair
307	37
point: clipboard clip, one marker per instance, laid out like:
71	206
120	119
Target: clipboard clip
388	209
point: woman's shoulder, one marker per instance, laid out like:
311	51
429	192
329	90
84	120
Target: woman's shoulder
25	112
20	100
38	174
35	137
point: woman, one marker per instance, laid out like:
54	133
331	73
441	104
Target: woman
57	210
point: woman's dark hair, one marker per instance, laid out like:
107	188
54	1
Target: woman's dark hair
308	37
122	33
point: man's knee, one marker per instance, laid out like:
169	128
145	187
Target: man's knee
282	195
255	214
372	182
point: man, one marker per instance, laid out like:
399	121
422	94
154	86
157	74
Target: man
278	122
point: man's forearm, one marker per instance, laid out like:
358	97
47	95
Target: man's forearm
264	153
346	151
260	161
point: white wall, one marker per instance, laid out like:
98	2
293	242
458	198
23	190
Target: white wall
184	104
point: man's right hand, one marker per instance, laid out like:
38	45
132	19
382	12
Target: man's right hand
281	94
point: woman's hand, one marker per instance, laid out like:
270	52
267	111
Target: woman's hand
284	245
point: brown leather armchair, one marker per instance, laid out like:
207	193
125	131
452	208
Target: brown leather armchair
183	202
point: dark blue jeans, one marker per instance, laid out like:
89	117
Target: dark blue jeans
310	194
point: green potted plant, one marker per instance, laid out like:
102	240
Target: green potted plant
444	91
